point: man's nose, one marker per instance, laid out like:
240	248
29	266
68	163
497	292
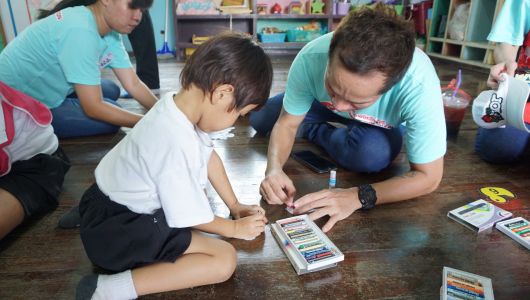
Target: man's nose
341	105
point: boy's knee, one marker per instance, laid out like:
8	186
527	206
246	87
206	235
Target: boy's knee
226	261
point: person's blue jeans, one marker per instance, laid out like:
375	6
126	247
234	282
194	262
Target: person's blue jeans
501	145
359	147
69	119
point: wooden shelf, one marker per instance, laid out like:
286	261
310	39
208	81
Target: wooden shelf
474	49
215	17
482	45
286	45
436	39
291	17
210	25
459	60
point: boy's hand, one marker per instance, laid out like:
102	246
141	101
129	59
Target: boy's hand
250	227
242	210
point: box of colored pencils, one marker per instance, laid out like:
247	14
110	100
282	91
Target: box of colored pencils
305	245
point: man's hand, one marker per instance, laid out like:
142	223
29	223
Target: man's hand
337	203
495	73
242	210
250	227
277	188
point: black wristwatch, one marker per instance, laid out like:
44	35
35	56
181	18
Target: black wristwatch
367	196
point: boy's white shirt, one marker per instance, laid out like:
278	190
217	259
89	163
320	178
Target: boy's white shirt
161	163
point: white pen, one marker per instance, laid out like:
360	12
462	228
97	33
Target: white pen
332	178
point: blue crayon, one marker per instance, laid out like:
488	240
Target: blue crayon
316	251
320	258
318	255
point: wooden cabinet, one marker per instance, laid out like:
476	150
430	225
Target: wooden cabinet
208	25
474	49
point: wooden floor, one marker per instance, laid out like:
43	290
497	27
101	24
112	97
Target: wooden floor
395	251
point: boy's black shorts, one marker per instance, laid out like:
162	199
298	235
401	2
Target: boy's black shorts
118	239
37	182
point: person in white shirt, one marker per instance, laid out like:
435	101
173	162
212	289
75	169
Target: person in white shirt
32	166
143	216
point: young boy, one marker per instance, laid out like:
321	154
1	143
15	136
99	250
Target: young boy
143	216
32	166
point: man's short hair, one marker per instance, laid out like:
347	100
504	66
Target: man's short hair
234	59
374	39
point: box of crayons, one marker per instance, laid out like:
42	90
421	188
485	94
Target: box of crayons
460	285
305	245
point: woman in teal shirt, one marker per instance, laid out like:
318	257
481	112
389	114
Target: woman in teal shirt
58	61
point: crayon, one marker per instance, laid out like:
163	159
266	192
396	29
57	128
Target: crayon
297	220
319	255
289	229
316	251
299	232
304	237
292	225
309	239
320	258
297	235
310	246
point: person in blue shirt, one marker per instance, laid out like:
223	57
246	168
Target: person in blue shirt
368	76
58	61
511	32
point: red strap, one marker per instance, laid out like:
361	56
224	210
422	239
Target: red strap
38	111
5	161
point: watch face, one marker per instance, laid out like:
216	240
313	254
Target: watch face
367	196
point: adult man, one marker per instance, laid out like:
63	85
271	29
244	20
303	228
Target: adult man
368	76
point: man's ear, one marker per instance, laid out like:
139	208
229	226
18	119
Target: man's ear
224	92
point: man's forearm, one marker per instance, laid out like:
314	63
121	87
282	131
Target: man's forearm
143	95
415	183
280	146
505	53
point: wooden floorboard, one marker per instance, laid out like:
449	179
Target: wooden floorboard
395	251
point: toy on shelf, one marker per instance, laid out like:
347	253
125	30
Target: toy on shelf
196	7
195	40
276	9
312	25
295	8
235	7
271	35
262	8
342	7
305	33
317	7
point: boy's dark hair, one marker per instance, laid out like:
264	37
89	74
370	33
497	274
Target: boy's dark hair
142	4
374	40
230	58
